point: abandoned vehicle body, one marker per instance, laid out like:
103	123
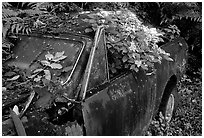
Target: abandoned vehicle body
90	100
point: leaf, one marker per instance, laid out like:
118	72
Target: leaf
32	76
59	54
16	109
59	58
55	66
27	103
37	70
144	67
47	75
9	74
85	20
133	67
14	78
138	63
88	30
17	28
124	49
125	58
91	16
13	28
108	45
66	69
168	58
113	70
18	124
27	31
45	62
23	30
49	56
92	21
37	79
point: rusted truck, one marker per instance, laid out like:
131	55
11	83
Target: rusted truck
91	101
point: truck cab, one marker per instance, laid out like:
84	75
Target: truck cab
89	100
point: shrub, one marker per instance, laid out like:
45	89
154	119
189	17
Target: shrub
132	44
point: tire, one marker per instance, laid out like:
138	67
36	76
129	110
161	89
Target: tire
169	104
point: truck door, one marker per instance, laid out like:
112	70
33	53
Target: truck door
122	106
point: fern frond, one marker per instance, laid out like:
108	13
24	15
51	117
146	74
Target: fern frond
17	28
13	19
23	4
5	5
38	5
46	5
190	14
6	44
7	13
32	5
5	29
31	12
20	28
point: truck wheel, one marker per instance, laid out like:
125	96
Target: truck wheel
170	105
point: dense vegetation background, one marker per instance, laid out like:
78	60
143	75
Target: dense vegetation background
177	19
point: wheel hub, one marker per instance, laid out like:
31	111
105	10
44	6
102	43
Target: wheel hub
169	108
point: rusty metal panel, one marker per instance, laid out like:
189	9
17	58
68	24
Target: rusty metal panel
123	108
166	69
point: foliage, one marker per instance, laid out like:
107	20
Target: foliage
168	16
40	76
135	43
15	20
159	127
109	6
187	120
185	16
56	8
162	13
43	75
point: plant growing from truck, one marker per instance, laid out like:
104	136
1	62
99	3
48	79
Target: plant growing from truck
51	62
132	44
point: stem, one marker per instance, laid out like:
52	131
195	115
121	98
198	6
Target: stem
32	77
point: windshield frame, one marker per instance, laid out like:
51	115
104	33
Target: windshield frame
83	39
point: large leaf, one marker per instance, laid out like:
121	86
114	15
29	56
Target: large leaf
125	58
66	69
47	75
13	78
138	63
167	58
55	66
59	54
37	70
59	58
133	67
49	56
45	62
38	78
